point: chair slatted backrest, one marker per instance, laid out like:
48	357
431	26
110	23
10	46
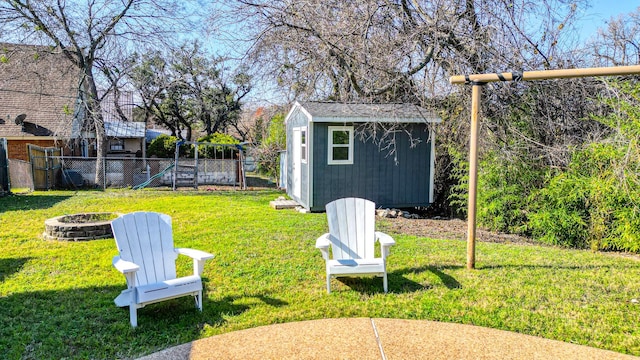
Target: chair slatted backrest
146	239
352	228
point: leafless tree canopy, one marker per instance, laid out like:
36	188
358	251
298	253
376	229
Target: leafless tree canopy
619	43
399	50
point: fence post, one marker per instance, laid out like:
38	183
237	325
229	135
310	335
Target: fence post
46	169
5	178
104	173
195	169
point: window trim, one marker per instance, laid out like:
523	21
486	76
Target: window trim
331	145
304	145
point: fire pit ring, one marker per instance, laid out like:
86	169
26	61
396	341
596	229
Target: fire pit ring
79	227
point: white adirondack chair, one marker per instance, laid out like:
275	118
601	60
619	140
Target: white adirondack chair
352	238
147	259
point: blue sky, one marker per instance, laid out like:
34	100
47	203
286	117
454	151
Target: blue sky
601	11
608	8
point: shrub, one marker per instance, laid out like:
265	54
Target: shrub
217	152
590	205
164	146
596	202
504	188
267	154
559	212
458	183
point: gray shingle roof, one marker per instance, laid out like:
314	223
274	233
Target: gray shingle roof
125	103
341	112
40	82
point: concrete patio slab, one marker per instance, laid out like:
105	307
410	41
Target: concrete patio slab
365	338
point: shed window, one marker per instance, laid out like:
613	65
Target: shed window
303	145
340	145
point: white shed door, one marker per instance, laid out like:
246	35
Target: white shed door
296	163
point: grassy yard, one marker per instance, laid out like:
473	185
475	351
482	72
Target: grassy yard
56	298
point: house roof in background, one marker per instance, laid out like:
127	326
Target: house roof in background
358	112
155	132
112	104
40	82
122	129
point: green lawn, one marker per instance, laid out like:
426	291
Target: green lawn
56	298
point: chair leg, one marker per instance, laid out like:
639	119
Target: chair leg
328	284
133	315
133	309
384	282
199	300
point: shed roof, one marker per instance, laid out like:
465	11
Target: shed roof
42	83
358	112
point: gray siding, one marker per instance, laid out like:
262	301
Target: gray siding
374	175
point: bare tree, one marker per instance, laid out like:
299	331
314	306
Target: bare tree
619	43
398	50
87	32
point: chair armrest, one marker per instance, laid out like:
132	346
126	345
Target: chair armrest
194	254
323	244
199	257
386	242
384	239
124	266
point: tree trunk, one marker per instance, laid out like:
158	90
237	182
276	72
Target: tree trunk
94	113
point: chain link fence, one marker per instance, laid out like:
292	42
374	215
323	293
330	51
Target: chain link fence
78	172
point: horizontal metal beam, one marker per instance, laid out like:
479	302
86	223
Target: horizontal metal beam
545	74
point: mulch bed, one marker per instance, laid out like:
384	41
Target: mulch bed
455	229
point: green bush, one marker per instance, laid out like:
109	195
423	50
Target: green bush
596	202
559	212
590	205
267	154
217	152
458	181
504	188
164	146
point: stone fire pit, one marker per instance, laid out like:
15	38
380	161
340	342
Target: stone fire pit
79	227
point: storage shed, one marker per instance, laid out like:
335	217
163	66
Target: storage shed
332	153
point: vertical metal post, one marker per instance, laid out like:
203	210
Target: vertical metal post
195	169
145	165
175	165
46	168
473	175
104	173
